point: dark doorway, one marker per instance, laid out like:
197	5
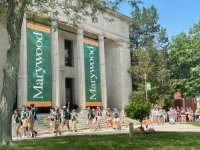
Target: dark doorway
69	90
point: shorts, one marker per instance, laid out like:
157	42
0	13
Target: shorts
65	122
109	118
51	122
116	119
24	122
98	118
57	122
16	126
94	120
31	123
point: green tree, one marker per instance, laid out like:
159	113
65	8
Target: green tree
13	10
149	48
184	62
138	110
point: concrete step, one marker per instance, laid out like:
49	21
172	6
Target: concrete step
41	127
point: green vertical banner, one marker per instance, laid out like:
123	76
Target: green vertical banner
92	73
39	82
148	86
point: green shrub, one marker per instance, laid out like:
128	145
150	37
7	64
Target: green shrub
138	110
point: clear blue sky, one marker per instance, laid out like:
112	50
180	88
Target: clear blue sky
175	15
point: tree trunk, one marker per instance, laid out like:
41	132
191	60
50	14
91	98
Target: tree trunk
14	20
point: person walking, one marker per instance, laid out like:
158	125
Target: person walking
90	117
33	118
108	118
74	118
30	120
66	116
23	118
94	121
57	119
116	119
52	115
16	124
99	114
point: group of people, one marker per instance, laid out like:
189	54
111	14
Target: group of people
60	118
112	118
158	115
25	120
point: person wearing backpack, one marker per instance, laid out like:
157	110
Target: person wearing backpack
90	118
34	117
66	116
94	121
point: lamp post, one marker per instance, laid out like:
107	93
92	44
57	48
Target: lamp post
145	79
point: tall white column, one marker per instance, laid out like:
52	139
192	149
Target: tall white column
62	88
81	70
102	72
119	63
22	76
55	65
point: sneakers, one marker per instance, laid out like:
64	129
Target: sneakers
35	133
20	136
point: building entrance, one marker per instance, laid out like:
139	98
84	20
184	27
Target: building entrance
69	86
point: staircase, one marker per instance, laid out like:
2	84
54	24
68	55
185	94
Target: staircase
42	128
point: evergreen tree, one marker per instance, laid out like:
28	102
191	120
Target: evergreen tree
149	50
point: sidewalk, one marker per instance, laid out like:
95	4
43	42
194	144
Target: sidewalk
166	128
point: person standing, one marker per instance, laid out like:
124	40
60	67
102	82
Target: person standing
66	116
160	116
178	111
190	114
127	120
74	119
155	115
16	124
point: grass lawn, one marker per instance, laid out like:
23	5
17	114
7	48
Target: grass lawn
194	123
157	141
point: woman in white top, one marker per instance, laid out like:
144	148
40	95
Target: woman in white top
155	115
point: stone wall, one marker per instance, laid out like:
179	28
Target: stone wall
119	84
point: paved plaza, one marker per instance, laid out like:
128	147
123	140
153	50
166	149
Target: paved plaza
165	128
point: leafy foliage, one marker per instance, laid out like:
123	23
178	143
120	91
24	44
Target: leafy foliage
184	62
149	46
198	109
138	109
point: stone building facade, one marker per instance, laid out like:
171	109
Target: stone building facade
67	62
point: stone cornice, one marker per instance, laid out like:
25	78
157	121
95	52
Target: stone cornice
119	16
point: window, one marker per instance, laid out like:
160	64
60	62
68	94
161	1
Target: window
68	53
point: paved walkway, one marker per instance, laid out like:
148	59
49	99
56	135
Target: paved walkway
166	127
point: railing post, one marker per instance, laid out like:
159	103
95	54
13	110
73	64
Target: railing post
131	131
